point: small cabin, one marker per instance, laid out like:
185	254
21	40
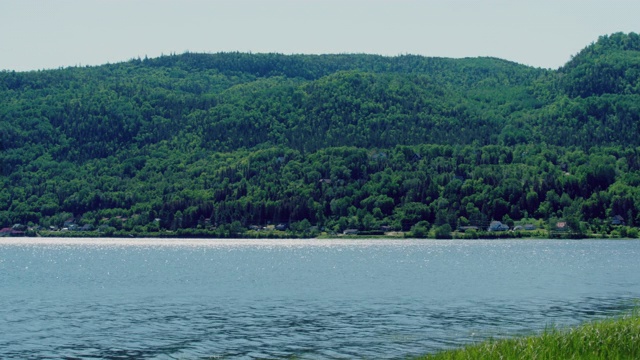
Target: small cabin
617	220
497	226
562	226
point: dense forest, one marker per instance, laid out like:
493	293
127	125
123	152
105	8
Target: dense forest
229	144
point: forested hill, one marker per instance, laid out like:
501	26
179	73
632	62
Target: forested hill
207	140
232	101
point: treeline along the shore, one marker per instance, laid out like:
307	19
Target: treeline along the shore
238	141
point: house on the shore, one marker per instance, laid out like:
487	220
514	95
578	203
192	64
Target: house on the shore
617	220
497	226
468	228
10	232
562	226
524	227
69	223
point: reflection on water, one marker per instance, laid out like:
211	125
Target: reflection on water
313	299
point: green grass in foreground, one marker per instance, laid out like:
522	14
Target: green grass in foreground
617	338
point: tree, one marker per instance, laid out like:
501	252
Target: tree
442	231
420	230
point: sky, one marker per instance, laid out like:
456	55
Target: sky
49	34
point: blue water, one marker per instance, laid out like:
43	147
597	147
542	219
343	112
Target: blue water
314	299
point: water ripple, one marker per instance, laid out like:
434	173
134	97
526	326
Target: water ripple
310	330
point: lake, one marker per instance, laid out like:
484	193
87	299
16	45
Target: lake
313	299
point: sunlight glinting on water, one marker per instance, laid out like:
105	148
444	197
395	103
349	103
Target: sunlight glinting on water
315	299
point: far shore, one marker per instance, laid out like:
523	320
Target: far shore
238	241
539	234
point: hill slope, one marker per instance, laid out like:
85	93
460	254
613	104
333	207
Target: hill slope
202	140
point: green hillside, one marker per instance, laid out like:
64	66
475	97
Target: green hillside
214	144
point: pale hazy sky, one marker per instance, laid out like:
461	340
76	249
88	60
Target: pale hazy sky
44	34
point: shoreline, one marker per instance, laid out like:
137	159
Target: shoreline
213	242
178	241
265	235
